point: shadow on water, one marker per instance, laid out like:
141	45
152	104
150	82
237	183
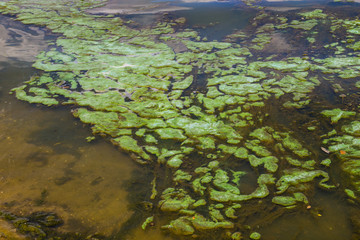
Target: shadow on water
59	134
138	187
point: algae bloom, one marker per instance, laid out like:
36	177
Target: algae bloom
202	118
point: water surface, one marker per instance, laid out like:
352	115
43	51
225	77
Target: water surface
47	164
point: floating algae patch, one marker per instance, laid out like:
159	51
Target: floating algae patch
200	118
345	147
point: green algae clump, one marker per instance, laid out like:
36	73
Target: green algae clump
296	176
255	235
337	114
180	226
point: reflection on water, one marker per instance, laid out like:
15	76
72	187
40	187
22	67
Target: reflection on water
161	6
136	7
278	44
216	20
18	42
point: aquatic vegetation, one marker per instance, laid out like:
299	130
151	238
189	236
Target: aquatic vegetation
316	14
202	112
148	221
38	225
289	201
337	114
345	145
255	235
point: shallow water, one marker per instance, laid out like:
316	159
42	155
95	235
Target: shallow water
47	164
328	220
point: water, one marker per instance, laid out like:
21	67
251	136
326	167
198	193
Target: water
324	222
47	164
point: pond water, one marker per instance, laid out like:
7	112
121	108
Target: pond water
83	170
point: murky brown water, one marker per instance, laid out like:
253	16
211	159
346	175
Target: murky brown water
46	163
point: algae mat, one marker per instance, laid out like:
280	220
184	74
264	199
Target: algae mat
205	115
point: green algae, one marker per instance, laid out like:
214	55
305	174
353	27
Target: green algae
237	176
357	84
350	193
263	134
136	89
129	144
107	122
337	114
183	84
260	192
326	162
295	146
345	145
180	226
269	162
180	175
221	180
148	221
296	176
186	225
40	97
175	161
241	153
288	201
175	200
315	14
257	149
352	128
255	235
198	203
215	214
150	139
201	223
206	143
154	192
170	133
304	25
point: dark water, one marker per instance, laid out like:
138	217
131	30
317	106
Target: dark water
92	185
